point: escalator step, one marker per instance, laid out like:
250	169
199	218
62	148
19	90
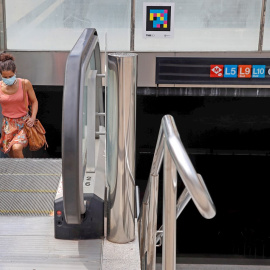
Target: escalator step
28	186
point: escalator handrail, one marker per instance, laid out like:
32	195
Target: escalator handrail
72	161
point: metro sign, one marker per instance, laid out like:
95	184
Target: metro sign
244	71
213	71
216	71
230	71
239	71
258	71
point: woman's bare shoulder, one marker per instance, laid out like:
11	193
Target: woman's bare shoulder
27	83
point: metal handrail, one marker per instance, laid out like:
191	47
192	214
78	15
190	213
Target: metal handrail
170	147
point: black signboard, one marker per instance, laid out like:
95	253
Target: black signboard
216	71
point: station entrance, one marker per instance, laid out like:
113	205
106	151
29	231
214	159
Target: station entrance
225	130
227	139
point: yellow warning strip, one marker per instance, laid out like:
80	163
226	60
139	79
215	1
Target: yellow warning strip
29	190
26	211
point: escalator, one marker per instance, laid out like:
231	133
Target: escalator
44	196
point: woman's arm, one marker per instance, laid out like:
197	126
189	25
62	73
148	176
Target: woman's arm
34	103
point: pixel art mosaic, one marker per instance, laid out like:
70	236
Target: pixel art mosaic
158	18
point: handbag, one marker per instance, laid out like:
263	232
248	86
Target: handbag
35	134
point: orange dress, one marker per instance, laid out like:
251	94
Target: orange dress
14	117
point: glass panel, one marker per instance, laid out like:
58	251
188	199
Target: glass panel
91	66
93	62
266	39
57	24
206	25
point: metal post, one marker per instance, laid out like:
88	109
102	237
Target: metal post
182	202
152	226
3	30
169	212
120	146
142	229
132	25
262	23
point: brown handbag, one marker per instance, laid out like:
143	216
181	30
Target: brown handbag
35	134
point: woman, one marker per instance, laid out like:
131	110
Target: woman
15	115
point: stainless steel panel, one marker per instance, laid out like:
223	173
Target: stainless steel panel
147	66
120	140
48	68
41	67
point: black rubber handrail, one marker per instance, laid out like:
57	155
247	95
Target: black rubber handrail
72	161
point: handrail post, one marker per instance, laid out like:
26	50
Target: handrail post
142	229
169	212
152	223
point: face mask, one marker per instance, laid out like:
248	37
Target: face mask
9	81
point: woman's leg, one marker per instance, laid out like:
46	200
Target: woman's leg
17	150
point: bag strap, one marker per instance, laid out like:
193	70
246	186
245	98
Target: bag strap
24	95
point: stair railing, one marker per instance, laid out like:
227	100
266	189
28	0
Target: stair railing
170	147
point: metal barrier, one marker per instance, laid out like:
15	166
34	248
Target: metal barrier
176	159
120	146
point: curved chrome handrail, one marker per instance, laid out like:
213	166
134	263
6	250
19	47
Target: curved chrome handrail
169	147
195	186
72	162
